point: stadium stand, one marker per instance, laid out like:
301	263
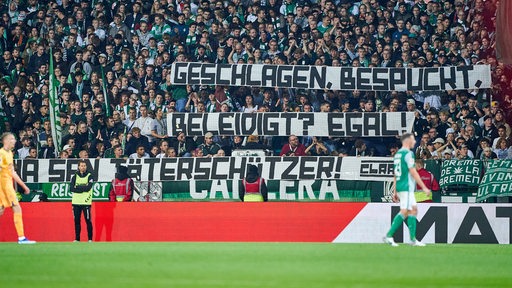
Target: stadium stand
112	60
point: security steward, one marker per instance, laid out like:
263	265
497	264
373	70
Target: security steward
81	186
122	186
253	188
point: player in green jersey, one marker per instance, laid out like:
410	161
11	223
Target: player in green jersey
405	180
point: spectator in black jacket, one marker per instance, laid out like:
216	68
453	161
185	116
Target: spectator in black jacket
183	145
134	139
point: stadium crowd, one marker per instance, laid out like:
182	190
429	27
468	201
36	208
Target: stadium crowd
112	64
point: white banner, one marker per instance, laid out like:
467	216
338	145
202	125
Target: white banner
333	78
218	168
437	223
299	124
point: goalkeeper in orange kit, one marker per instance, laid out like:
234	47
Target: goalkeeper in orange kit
7	194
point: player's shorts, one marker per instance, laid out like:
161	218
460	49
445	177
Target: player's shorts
8	195
407	200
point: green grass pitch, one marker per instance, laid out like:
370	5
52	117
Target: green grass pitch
96	265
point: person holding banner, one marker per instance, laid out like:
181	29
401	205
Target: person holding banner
253	188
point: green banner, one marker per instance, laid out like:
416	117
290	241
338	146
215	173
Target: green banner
60	191
497	181
302	190
460	172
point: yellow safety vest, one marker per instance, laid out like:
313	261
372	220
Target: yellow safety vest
84	198
422	196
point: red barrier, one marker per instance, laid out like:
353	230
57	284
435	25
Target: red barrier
188	221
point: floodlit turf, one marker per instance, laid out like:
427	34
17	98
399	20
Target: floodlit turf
95	265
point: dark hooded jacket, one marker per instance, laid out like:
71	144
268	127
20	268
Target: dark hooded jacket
120	187
252	176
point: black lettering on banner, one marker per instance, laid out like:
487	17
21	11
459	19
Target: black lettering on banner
376	168
308	119
417	74
268	73
178	123
135	169
151	168
355	130
57	170
71	167
205	124
317	77
235	75
223	78
475	215
237	171
168	173
271	128
445	79
275	123
335	124
215	168
185	168
363	81
180	74
364	169
506	212
288	117
250	81
226	124
428	78
339	162
284	79
325	167
307	172
194	128
380	83
248	128
300	80
207	78
194	73
393	80
403	119
117	162
202	172
94	167
384	121
30	168
348	82
465	75
237	124
293	163
259	123
318	80
372	123
271	165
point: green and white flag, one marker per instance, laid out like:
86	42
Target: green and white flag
497	180
460	172
54	107
105	94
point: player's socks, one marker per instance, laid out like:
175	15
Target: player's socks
411	222
397	221
18	224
